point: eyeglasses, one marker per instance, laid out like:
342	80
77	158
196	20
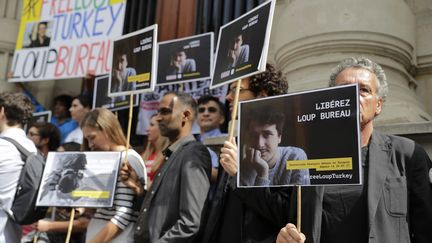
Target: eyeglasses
233	90
210	109
32	134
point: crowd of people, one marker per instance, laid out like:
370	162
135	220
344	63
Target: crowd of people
179	190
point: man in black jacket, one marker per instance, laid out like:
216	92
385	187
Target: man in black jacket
394	203
174	204
248	215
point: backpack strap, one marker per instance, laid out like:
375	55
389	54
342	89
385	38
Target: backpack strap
24	152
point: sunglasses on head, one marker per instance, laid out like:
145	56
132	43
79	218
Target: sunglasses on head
210	109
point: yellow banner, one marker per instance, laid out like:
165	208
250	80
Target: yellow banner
139	78
91	194
321	164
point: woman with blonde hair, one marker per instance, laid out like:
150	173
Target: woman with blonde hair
102	132
152	155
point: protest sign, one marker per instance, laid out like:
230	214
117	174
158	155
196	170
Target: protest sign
66	39
101	98
79	179
185	59
42	116
150	101
307	138
242	45
134	63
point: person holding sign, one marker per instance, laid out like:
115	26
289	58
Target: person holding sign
394	203
265	161
173	206
102	132
180	63
239	214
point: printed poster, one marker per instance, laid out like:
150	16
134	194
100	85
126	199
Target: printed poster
134	63
79	179
150	101
66	39
308	138
184	60
101	98
242	45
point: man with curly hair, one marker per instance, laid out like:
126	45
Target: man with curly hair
268	83
247	215
15	110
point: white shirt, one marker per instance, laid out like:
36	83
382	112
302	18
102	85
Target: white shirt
75	136
10	169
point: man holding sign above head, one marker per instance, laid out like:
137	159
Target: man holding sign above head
239	214
265	161
394	203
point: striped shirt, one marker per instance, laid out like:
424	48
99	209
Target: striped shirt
122	212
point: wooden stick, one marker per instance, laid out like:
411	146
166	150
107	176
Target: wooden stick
35	237
299	208
234	111
72	217
129	127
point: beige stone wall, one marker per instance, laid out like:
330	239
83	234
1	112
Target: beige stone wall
423	13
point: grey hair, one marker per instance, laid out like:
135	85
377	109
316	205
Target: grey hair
365	63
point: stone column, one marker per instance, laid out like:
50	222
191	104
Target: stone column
310	37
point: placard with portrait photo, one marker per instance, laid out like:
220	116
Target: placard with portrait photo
101	98
242	45
186	59
307	138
